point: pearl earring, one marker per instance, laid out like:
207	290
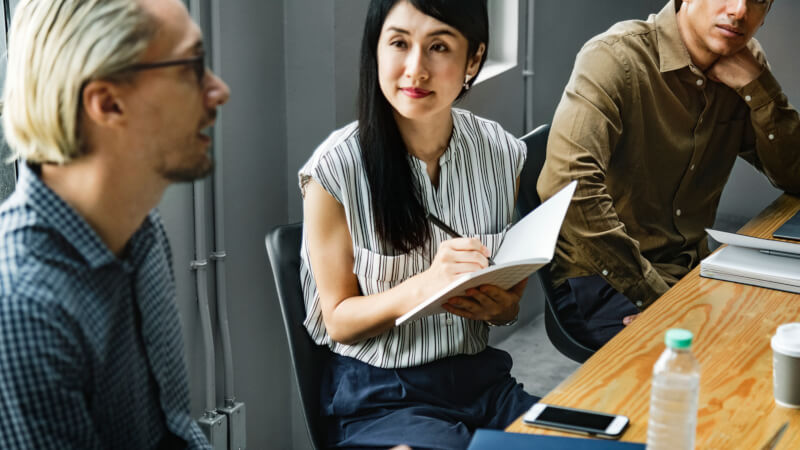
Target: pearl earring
466	82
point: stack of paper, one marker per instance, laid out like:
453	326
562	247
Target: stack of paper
754	261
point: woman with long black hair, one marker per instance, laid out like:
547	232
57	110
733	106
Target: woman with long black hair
370	253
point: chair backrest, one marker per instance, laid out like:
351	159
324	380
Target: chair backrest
308	358
527	200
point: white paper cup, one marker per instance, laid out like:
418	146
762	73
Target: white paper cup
786	365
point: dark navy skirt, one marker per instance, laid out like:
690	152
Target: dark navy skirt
437	405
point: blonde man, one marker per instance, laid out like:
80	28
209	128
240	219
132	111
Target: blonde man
105	103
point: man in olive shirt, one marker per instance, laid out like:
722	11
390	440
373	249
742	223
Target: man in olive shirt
650	124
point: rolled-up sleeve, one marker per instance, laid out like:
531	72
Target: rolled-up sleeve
772	141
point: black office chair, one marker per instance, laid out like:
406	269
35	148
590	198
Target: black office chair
308	358
527	200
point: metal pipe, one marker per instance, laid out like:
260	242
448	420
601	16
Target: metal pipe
528	71
219	218
200	266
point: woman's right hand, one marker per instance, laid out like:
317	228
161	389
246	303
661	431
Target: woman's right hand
454	258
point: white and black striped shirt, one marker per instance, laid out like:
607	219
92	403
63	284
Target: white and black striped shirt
475	197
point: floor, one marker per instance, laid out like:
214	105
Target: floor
537	364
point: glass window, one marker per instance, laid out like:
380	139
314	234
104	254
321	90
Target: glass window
503	38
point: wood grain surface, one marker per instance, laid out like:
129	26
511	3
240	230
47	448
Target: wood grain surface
732	324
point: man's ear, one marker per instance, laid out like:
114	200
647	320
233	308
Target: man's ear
103	103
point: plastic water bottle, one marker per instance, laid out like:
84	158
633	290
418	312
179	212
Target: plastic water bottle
673	396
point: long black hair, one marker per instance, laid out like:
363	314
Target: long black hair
399	215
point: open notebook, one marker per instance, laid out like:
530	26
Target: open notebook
527	246
754	261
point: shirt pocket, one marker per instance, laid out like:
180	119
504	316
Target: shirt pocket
377	273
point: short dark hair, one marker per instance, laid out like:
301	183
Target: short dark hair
398	210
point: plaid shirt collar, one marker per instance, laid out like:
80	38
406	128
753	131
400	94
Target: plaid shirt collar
56	214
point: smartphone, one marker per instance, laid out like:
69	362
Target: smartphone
602	425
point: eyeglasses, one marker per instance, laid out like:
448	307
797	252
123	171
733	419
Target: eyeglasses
198	64
761	3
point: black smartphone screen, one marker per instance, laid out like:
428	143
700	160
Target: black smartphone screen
576	418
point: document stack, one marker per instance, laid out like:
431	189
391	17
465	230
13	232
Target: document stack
754	261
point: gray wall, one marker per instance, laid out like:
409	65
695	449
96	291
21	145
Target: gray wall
254	140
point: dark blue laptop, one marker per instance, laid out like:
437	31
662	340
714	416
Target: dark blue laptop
495	439
790	229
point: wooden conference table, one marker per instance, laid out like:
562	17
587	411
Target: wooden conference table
732	323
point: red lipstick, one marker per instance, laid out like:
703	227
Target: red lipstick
416	92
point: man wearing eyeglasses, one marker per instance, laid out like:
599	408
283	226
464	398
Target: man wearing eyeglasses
105	105
650	124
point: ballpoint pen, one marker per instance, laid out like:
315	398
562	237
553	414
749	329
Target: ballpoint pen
775	438
780	253
443	226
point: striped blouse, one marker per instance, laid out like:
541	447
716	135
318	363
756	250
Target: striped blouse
475	197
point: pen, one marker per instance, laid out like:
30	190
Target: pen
775	438
779	253
443	226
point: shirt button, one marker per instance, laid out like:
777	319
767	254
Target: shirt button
691	167
771	136
605	272
449	321
639	303
678	213
699	81
747	98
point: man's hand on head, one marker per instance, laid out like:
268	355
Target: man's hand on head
736	70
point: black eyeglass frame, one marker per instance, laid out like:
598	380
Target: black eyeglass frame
198	63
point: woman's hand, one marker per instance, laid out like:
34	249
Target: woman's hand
488	302
454	258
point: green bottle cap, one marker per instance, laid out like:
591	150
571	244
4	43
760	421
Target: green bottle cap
678	338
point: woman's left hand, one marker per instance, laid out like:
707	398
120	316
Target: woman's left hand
488	302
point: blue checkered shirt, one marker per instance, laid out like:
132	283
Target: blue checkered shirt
91	354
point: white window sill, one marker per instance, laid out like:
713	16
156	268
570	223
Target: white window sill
494	68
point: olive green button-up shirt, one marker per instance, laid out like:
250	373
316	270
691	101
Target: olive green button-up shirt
652	141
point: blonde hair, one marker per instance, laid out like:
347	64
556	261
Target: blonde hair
55	47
